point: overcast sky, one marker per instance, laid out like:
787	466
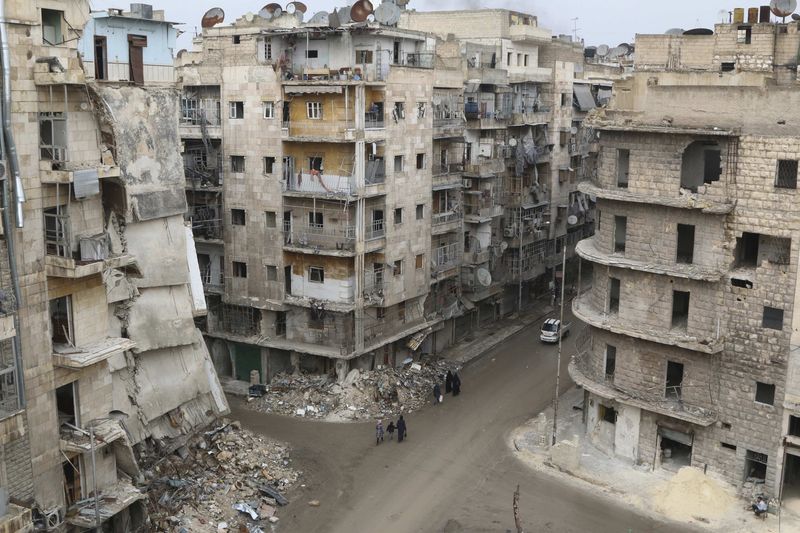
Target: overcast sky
599	22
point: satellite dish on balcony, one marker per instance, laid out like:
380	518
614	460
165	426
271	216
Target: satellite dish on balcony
483	276
782	8
503	246
512	142
213	16
572	220
387	14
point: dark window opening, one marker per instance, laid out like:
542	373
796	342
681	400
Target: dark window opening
420	161
765	393
271	219
237	39
312	54
66	404
680	309
316	274
794	426
747	250
239	269
620	230
613	295
607	414
728	66
685	252
236	110
61	320
380	313
755	466
420	211
743	283
674	382
272	273
315	163
786	175
728	446
398	163
675	453
238	217
269	165
773	318
237	164
280	323
611	361
744	35
701	164
316	219
52	26
100	58
316	320
72	480
623	167
398	215
726	425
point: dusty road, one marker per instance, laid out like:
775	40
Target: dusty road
455	473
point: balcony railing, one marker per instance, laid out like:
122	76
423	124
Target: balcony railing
375	172
320	183
212	283
207	222
56	235
447	256
419	60
374	281
196	112
445	218
376	229
374	120
447	168
327	237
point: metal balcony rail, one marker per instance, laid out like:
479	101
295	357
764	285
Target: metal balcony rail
197	111
320	182
376	229
442	169
446	256
444	218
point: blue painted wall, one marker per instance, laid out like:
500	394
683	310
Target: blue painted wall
161	38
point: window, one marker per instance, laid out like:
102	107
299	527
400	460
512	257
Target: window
280	323
52	32
794	426
680	309
272	273
623	167
742	283
525	60
53	136
620	230
271	219
611	361
755	465
685	250
316	274
238	217
398	215
509	55
56	234
269	165
607	414
266	50
765	393
316	320
269	109
728	66
773	318
419	261
237	39
237	164
747	250
236	110
316	220
315	163
399	111
613	295
398	267
401	311
674	380
239	269
744	35
701	164
363	56
100	57
564	100
420	161
420	211
728	446
61	320
314	110
398	163
421	109
312	54
519	59
786	176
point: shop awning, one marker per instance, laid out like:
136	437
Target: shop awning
584	96
677	436
313	89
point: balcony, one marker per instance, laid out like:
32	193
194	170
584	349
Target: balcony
336	240
61	67
589	250
342	130
448	127
682	199
316	183
445	222
529	32
212	284
477	256
447	176
112	501
375	236
479	208
375	284
530	118
76	357
374	120
75	441
206	223
485	168
446	260
586	312
68	171
487	74
200	118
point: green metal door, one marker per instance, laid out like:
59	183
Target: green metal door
247	358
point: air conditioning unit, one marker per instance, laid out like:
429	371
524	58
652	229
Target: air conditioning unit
508	231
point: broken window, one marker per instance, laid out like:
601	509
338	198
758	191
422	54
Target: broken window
398	215
237	39
316	274
613	295
398	267
742	283
623	167
235	110
744	34
765	393
315	163
620	230
420	211
685	249
53	136
314	110
728	66
52	26
100	58
419	261
755	466
238	217
280	323
61	320
674	380
237	164
772	318
786	175
398	163
316	319
56	232
702	163
794	426
269	110
271	219
680	309
67	403
316	219
72	480
269	165
611	361
420	161
363	57
239	269
606	414
747	250
399	111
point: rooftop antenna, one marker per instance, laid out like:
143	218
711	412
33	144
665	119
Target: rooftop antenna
724	16
782	8
213	16
575	29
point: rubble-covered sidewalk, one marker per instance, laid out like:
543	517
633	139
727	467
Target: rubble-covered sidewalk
686	496
226	479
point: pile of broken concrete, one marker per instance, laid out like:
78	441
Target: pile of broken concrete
362	395
226	479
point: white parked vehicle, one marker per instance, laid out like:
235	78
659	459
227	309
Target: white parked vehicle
551	329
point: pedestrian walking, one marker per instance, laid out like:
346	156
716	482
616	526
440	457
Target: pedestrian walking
448	383
437	394
456	384
401	429
390	429
379	432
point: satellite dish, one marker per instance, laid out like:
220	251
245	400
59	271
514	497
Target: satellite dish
573	130
512	142
699	31
617	51
264	14
503	246
274	9
401	3
675	31
572	220
437	100
782	8
296	7
249	17
795	16
602	50
483	276
213	16
387	14
361	10
321	18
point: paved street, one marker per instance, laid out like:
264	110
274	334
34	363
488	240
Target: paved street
455	473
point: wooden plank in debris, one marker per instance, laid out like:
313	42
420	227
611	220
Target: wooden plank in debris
274	494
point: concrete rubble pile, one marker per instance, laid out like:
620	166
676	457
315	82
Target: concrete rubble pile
362	395
226	479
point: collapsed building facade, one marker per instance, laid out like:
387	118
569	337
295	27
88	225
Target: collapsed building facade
101	357
692	353
362	192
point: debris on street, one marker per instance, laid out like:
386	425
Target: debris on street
363	394
226	479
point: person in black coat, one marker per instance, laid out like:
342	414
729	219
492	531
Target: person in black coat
448	382
437	393
401	429
456	384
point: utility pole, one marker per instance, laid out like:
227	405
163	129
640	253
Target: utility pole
575	29
560	335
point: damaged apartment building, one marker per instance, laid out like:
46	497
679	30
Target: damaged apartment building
364	192
693	352
101	360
